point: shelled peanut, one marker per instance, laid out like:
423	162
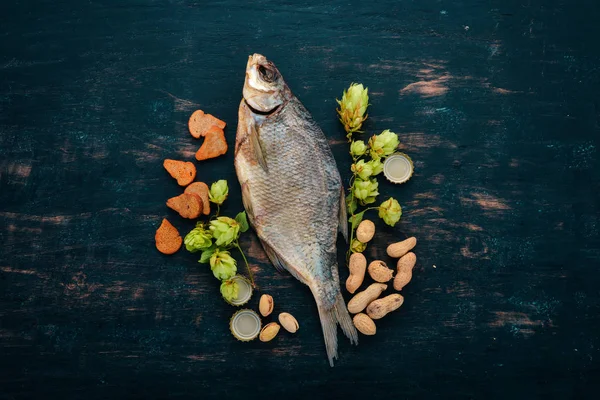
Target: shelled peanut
379	271
361	300
378	309
398	249
404	266
357	266
365	231
364	324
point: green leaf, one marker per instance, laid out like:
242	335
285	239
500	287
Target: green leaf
243	221
356	219
205	257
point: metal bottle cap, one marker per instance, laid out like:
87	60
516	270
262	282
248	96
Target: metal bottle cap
398	168
245	291
245	325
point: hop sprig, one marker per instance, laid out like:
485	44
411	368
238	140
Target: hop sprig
365	191
353	108
357	246
229	289
367	163
390	211
225	230
358	148
362	169
222	265
218	192
383	145
198	239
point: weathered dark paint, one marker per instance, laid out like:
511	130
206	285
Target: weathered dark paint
497	103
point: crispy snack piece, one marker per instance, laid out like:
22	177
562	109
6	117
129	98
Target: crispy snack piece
167	238
200	189
214	145
183	171
200	123
188	205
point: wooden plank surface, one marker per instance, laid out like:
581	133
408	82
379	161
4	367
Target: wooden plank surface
496	102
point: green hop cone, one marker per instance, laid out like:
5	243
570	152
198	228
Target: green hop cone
376	167
198	239
218	192
222	265
362	169
229	290
358	148
225	230
390	211
357	246
384	144
365	191
353	108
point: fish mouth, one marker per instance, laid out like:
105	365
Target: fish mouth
256	59
264	113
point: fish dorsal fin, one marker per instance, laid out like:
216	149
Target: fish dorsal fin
257	149
343	215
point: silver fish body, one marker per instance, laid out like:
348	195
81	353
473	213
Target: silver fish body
292	191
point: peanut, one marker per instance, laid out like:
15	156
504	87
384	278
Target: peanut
288	322
365	231
380	308
364	324
266	304
357	266
269	331
362	299
405	266
380	272
397	250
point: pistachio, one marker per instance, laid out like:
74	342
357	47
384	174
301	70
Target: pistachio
265	306
288	322
269	332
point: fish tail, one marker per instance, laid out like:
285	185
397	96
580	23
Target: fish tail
329	320
344	319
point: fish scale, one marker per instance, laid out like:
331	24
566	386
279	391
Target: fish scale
292	191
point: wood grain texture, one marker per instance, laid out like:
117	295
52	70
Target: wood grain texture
497	103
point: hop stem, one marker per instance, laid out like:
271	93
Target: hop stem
247	265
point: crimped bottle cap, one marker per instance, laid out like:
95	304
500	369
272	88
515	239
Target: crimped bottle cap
398	168
245	325
245	291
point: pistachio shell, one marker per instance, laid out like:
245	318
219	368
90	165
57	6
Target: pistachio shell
288	322
269	332
266	304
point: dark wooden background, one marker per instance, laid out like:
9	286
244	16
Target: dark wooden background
496	101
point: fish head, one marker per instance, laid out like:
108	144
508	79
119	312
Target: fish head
264	87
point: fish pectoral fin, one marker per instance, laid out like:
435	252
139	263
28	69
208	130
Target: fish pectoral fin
275	260
343	215
247	203
280	264
256	147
